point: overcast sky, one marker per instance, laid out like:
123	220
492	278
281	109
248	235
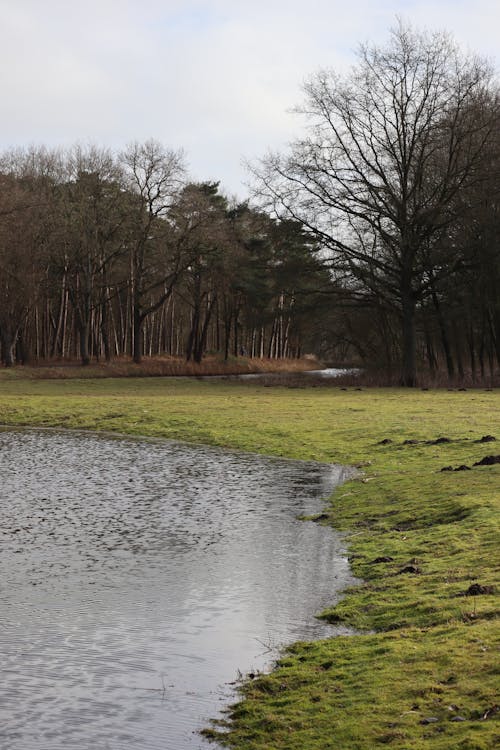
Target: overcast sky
215	77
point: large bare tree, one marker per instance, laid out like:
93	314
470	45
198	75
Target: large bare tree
388	150
154	175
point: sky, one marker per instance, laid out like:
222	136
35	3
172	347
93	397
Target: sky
216	78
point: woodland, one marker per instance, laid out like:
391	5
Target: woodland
372	241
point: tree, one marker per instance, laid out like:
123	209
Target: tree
201	228
23	237
90	218
154	176
389	150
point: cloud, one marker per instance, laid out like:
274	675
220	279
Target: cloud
217	77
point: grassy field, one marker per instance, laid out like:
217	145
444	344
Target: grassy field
424	672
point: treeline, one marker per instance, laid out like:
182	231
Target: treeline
376	241
105	255
456	288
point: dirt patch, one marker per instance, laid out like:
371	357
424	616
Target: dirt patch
413	569
488	461
476	589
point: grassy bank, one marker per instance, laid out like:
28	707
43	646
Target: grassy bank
424	674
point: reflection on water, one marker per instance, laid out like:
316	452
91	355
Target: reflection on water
334	372
137	577
326	372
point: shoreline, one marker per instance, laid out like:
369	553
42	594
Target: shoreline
431	649
158	367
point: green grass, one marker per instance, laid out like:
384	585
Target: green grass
428	650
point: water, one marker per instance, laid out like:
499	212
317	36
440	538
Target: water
333	372
138	577
326	372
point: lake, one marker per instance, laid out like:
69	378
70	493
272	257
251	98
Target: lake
140	577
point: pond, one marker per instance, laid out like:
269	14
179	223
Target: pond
139	577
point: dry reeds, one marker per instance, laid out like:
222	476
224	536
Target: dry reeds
159	367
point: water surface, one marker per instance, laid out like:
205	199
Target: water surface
325	372
138	577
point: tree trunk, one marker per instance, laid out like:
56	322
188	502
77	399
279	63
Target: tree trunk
199	348
409	365
458	351
83	335
8	340
22	349
227	335
105	310
444	336
138	336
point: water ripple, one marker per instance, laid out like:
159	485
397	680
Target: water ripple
138	577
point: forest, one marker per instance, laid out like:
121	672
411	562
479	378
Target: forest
106	255
374	241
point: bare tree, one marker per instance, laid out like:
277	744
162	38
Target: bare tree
154	175
389	148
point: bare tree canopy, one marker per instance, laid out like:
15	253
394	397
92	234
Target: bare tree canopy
154	175
390	151
375	244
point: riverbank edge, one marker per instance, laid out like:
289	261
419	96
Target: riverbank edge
159	367
420	538
424	679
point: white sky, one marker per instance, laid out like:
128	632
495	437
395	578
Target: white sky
215	77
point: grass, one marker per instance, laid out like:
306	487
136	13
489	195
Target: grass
423	673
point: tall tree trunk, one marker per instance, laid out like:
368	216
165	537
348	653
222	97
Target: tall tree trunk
63	301
472	353
23	349
409	364
83	337
105	310
137	335
200	343
227	334
458	350
444	336
494	321
8	338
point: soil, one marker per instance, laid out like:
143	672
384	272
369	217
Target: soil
488	461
